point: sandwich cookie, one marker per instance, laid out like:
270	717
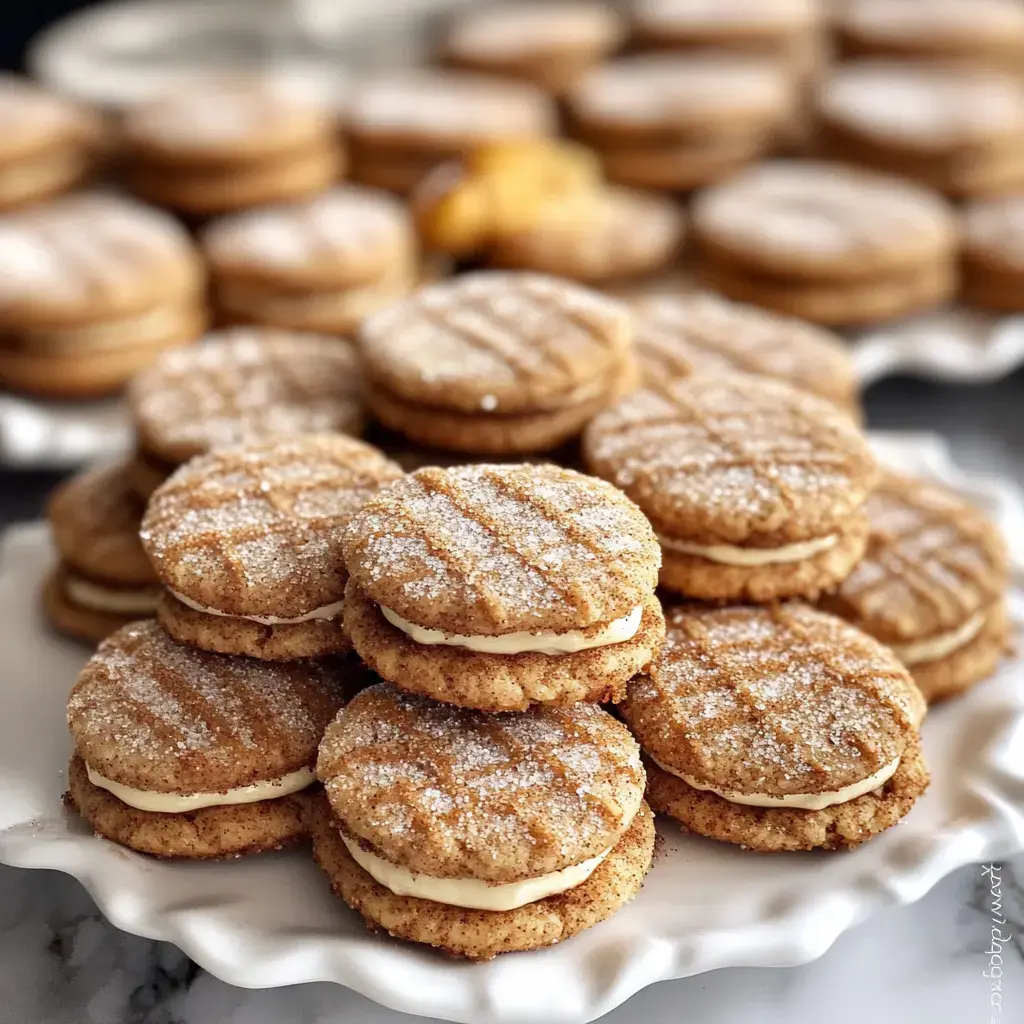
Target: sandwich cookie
756	490
826	243
992	254
932	585
104	579
48	144
238	386
496	362
683	334
480	834
226	144
550	45
778	728
247	541
92	288
181	753
497	587
318	265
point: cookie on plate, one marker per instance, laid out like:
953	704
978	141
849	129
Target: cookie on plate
401	126
825	242
92	288
931	585
498	587
550	44
181	753
778	728
480	834
247	541
683	334
48	144
673	122
958	130
755	489
992	254
225	144
103	580
321	264
496	362
236	386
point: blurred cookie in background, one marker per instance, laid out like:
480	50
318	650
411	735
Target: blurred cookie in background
992	253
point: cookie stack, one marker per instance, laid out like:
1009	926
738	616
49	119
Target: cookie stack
401	127
516	596
321	264
676	122
227	144
92	289
992	254
826	243
48	144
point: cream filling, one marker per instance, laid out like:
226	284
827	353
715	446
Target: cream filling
729	554
98	598
327	611
797	801
470	892
180	803
615	632
935	647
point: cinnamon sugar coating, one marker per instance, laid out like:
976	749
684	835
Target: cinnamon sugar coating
492	549
454	793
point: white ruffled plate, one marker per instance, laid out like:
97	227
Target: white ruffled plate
271	920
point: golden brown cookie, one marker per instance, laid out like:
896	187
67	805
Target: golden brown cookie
181	753
495	362
992	254
480	833
755	489
247	540
496	587
680	335
931	584
779	728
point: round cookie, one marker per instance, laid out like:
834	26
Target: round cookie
756	490
495	362
496	587
166	726
683	334
480	809
247	540
725	24
931	585
779	728
992	253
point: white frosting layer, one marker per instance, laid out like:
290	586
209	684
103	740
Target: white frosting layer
935	647
97	598
179	803
728	554
470	892
798	801
616	632
327	611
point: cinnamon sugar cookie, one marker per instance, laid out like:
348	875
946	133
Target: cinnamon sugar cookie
778	728
992	254
104	579
496	363
931	585
92	288
224	144
247	540
480	834
181	753
756	490
679	335
237	386
496	587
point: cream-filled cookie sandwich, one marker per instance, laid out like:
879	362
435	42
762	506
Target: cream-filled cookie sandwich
779	728
183	753
500	586
248	542
480	834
